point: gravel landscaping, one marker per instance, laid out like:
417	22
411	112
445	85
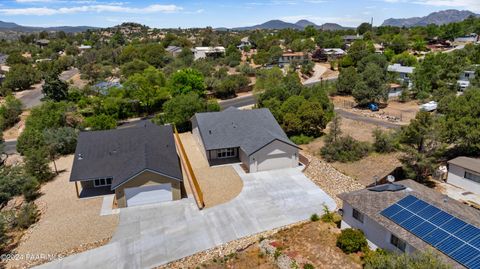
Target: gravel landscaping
67	224
219	184
330	179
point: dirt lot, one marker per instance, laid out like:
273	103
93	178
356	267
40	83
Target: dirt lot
219	184
313	243
363	170
403	111
66	222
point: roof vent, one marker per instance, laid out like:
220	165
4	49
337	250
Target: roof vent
80	156
210	131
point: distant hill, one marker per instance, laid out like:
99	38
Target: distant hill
439	18
300	25
10	26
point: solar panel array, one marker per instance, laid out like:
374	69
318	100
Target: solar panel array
452	236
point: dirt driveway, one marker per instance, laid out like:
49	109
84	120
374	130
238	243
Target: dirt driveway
219	184
66	222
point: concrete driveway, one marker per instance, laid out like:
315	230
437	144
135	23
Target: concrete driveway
150	236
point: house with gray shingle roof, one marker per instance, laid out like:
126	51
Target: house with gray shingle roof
464	172
139	163
252	137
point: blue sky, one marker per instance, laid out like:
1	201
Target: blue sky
227	13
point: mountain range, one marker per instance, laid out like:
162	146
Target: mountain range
10	26
439	18
299	25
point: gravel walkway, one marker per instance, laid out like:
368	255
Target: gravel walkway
330	179
67	224
219	184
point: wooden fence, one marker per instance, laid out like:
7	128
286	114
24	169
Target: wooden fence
195	187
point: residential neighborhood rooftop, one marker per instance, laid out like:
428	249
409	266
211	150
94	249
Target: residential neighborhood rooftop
400	68
248	129
371	203
471	164
122	153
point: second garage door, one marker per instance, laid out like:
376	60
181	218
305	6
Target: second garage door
148	194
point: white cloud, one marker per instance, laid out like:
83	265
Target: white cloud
44	11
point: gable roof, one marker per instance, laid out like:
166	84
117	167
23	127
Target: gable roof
250	130
471	164
123	153
398	68
371	203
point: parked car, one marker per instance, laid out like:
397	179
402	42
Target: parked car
373	107
430	106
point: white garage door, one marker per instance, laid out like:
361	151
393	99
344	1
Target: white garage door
148	194
275	162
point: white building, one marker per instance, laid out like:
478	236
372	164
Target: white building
471	38
465	78
464	172
404	218
404	73
206	52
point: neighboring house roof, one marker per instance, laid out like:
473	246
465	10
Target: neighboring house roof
250	130
400	69
353	37
104	86
329	51
84	47
471	164
173	49
293	54
123	153
371	203
209	49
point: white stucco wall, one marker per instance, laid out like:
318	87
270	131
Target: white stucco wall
456	177
377	236
276	155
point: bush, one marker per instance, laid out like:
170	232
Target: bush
345	149
308	266
27	216
385	142
328	216
381	259
351	240
314	217
10	112
101	122
301	139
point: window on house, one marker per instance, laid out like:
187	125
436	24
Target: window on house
357	215
472	176
398	243
102	182
226	153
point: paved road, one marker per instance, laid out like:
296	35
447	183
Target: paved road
68	74
356	117
318	72
150	236
238	102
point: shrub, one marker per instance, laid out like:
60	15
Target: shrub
314	217
308	266
380	259
385	142
351	240
328	216
301	139
345	149
30	190
101	122
27	216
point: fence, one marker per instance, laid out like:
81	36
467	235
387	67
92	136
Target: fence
197	192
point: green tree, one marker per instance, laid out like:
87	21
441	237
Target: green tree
101	122
187	80
37	164
133	67
363	28
21	77
371	87
233	56
399	44
148	88
16	58
347	81
10	112
55	89
422	145
405	59
359	50
180	109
